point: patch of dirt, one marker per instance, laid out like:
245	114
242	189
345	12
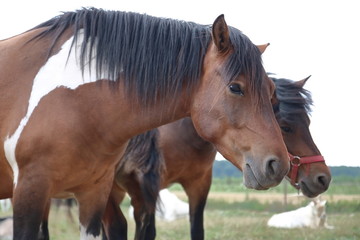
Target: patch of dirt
269	197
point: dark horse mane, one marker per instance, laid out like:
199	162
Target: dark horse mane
155	56
292	99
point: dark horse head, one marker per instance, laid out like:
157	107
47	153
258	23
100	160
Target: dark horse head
292	106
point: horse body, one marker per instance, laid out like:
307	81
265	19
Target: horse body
13	106
53	140
71	99
187	145
96	148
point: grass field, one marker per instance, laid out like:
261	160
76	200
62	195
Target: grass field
233	219
242	215
225	220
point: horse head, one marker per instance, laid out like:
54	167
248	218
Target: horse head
292	106
239	119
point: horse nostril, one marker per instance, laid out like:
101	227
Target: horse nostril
272	166
323	180
273	170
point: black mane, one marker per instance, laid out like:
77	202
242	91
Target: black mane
154	56
292	99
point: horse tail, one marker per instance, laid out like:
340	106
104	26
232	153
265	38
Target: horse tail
147	164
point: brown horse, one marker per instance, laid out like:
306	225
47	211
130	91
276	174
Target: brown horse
76	88
189	160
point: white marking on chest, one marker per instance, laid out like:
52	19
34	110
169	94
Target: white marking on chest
58	71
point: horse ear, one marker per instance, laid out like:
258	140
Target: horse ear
220	32
263	47
301	83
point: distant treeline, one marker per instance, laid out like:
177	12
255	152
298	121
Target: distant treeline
223	169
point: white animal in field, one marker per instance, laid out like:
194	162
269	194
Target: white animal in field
312	216
169	207
5	204
6	228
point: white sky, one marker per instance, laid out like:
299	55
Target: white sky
319	38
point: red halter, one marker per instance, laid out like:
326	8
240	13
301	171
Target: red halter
296	161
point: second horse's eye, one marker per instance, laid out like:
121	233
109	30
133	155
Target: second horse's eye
286	129
236	89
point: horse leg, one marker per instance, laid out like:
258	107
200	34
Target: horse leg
144	220
44	230
7	183
30	199
69	204
151	228
92	200
114	221
197	191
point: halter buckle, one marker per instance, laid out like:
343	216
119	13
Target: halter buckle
295	161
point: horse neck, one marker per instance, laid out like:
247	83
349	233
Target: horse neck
136	118
189	135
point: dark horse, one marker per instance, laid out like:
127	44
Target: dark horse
76	88
189	159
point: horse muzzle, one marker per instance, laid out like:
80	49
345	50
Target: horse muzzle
266	175
313	184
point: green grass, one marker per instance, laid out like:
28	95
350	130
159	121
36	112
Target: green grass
237	220
243	219
238	223
229	222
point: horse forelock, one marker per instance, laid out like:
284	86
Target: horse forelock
246	59
292	99
153	56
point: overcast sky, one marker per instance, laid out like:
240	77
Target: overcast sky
308	37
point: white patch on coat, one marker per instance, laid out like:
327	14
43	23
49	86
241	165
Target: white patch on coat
61	70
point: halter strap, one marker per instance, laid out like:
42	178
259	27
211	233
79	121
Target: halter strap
296	161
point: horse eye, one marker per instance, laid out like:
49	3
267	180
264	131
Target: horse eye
236	89
286	129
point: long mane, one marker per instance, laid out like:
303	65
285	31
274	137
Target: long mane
154	56
292	99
